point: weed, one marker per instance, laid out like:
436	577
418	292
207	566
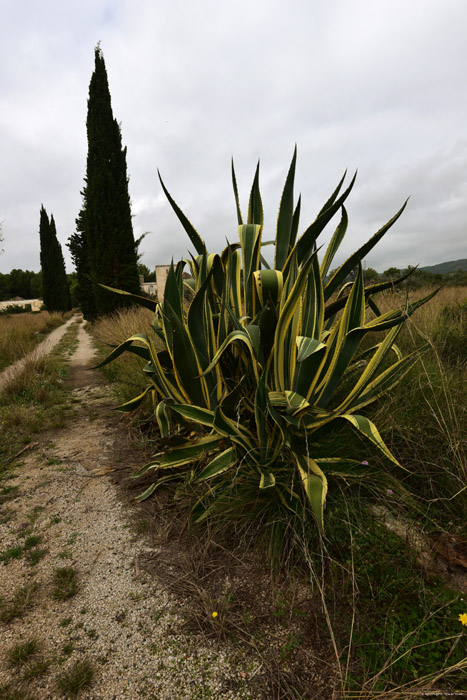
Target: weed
13	692
8	493
22	653
35	514
36	669
80	675
53	461
35	555
66	621
68	648
65	583
22	600
92	634
11	553
32	541
65	555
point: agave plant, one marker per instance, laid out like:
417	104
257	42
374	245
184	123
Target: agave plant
259	363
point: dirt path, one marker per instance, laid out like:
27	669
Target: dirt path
125	625
42	349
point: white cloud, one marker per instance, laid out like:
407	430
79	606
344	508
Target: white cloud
373	85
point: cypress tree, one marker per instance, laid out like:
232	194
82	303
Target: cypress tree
55	290
103	246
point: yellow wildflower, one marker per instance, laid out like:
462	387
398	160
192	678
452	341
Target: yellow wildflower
463	619
214	614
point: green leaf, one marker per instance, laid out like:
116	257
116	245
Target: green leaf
285	217
255	205
335	306
219	464
295	223
347	342
163	418
179	456
315	485
237	201
370	432
267	479
197	414
193	235
141	301
131	405
250	240
269	284
334	244
306	243
283	367
148	492
185	363
346	267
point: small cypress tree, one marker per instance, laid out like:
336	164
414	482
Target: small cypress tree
55	290
77	244
103	246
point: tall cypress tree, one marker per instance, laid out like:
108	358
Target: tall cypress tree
55	290
103	246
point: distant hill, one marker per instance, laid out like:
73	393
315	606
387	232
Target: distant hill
446	267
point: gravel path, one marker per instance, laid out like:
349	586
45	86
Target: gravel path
125	624
42	349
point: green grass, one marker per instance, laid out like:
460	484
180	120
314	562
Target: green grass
79	676
36	668
21	653
68	648
65	583
11	553
32	541
35	555
404	623
13	692
23	599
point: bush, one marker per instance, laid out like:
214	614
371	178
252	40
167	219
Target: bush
16	309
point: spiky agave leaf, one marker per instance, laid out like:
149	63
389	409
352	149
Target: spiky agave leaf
261	361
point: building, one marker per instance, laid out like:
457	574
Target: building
156	289
35	304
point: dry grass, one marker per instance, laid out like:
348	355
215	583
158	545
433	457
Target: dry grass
428	317
20	333
114	329
117	327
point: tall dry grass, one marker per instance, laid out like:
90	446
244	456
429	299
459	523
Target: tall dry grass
424	419
109	331
21	333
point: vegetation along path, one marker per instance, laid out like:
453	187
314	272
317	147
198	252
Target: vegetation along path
77	614
42	349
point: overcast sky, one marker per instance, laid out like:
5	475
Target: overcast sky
378	85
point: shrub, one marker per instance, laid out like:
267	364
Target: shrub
262	363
